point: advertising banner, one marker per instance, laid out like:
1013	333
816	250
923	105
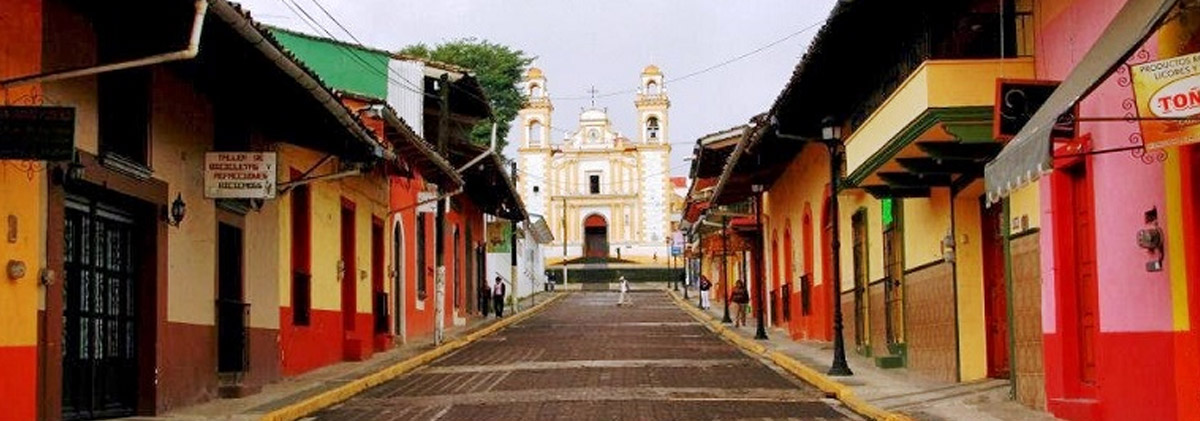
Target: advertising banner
1168	100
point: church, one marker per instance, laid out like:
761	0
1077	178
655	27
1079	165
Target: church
604	193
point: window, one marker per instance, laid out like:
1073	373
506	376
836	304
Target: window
421	279
301	254
593	135
535	133
535	90
124	114
594	183
652	88
652	128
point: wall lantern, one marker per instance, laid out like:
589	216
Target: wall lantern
830	130
1150	238
948	248
178	211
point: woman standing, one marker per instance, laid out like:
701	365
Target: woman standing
740	297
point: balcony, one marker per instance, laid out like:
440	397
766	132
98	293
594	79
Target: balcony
943	106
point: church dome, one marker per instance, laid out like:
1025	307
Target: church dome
593	114
533	73
651	70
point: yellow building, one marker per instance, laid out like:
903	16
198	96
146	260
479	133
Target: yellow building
610	193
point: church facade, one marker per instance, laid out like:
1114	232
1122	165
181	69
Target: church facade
606	194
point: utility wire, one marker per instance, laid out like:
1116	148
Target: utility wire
718	65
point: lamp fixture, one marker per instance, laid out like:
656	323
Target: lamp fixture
178	211
830	130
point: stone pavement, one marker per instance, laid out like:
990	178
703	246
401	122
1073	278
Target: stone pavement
898	389
585	358
298	388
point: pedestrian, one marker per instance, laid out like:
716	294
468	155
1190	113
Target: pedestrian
498	297
705	285
485	297
624	288
740	297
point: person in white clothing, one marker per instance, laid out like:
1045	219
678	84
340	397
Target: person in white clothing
623	300
705	286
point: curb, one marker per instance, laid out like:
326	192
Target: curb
831	387
348	390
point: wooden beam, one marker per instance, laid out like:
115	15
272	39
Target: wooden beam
907	179
939	166
960	150
884	192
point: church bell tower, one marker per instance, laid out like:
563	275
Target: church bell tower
652	105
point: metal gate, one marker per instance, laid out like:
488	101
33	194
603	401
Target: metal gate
99	312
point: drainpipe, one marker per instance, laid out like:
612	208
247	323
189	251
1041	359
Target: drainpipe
188	53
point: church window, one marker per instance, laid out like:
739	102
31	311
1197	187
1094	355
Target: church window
652	128
535	90
535	133
652	88
594	183
535	189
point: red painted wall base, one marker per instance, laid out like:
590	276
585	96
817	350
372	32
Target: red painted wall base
18	383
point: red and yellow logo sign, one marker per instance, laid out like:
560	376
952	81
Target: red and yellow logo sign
1168	97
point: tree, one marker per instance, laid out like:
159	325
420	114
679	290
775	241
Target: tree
498	68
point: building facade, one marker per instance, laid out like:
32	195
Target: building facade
610	193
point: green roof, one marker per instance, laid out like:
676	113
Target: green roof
342	66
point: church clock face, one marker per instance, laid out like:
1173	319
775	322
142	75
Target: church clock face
593	135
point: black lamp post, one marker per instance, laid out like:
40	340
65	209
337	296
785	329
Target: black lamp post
760	331
725	264
831	136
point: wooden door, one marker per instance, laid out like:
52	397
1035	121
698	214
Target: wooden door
349	270
995	291
233	336
1086	288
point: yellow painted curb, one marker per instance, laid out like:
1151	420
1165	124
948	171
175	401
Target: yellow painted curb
348	390
826	384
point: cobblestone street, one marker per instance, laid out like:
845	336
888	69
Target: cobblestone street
586	358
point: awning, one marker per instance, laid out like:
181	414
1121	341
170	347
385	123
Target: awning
1028	156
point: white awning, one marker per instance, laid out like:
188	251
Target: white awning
1028	155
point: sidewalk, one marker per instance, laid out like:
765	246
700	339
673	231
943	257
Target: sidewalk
896	389
296	389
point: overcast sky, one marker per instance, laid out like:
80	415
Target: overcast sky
606	44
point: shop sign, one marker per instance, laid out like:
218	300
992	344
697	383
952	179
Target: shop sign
427	204
37	133
1168	98
239	175
1016	102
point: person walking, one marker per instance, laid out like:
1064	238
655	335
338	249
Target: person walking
485	297
498	297
705	285
740	297
623	300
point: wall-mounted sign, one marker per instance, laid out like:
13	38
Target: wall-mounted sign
239	175
1016	102
1168	99
427	204
37	133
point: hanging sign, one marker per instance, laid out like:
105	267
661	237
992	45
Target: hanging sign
1016	102
427	204
239	175
37	133
1168	100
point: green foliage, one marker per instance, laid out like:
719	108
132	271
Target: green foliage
498	68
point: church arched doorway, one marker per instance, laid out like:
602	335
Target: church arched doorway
595	236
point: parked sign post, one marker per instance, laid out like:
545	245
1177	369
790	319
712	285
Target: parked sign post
239	175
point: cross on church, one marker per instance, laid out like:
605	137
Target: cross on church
593	91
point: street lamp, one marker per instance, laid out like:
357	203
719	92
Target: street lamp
725	263
760	330
831	136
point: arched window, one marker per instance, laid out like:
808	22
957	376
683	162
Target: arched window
652	88
535	133
535	90
652	128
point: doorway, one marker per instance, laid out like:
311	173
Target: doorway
232	311
595	236
100	317
859	255
348	270
995	289
893	265
1078	251
399	273
379	298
